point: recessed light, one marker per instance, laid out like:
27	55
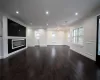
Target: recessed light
47	12
53	35
47	24
31	23
58	28
76	13
17	12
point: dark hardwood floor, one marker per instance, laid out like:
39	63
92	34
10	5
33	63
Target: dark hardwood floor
48	63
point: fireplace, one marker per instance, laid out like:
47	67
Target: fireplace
16	44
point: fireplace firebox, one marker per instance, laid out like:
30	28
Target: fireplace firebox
16	44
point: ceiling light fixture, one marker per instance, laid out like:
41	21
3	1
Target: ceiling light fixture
47	12
31	23
17	12
47	24
76	13
58	28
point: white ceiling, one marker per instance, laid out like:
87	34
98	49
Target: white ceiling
33	11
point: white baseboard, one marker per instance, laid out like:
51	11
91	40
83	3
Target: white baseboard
43	45
15	52
88	55
30	46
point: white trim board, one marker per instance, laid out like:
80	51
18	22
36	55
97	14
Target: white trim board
40	45
14	37
43	45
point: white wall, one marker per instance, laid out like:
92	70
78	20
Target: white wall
30	36
88	49
1	54
59	38
45	37
1	48
0	25
32	41
4	37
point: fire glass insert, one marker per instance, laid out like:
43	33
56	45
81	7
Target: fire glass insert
16	43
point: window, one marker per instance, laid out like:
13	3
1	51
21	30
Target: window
77	35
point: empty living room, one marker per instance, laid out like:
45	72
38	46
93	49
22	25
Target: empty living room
49	39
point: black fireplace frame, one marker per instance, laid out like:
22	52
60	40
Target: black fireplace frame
10	44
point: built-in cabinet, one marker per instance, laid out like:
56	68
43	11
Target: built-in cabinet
15	30
13	36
